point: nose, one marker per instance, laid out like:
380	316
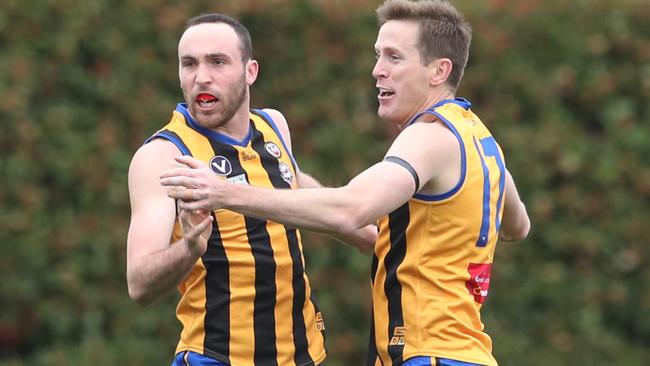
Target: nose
379	71
202	74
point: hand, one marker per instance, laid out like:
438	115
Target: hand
202	188
197	228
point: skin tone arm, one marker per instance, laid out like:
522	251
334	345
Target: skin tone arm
363	238
154	267
375	192
515	223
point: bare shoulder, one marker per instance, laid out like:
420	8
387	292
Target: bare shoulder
149	161
424	138
281	122
433	151
277	116
155	151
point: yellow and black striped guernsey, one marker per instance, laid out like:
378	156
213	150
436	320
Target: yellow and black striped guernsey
247	301
431	269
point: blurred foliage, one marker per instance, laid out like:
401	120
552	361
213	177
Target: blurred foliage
563	84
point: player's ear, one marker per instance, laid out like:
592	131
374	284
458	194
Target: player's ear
439	70
252	69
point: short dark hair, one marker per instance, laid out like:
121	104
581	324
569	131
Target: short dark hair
243	34
443	32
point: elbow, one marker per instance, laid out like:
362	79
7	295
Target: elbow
350	221
138	294
140	297
518	233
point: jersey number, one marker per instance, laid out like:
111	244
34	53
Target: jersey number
490	150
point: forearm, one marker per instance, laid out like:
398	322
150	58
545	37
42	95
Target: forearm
515	224
318	209
363	238
154	275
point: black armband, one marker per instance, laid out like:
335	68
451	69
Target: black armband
405	164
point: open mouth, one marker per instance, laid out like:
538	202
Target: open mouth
205	100
385	93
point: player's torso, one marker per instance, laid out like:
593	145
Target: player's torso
247	300
434	254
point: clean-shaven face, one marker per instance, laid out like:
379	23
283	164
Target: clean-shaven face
211	72
402	80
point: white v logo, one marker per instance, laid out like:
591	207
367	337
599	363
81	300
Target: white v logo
220	165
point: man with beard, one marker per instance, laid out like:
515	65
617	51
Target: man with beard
245	298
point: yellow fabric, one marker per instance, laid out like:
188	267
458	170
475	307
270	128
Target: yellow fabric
428	286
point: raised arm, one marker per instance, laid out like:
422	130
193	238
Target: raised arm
515	224
154	267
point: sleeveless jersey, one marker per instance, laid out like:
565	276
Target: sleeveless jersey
432	261
247	300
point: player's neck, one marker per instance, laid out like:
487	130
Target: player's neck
238	126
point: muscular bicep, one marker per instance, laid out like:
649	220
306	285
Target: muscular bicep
152	212
433	152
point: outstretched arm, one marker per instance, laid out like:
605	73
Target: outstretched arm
154	268
363	239
515	224
375	192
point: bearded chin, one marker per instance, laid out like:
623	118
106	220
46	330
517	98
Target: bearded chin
230	103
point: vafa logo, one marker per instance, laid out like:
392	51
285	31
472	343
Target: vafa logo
220	165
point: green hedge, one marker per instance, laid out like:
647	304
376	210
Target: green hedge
563	84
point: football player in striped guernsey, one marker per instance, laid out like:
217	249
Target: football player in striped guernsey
245	297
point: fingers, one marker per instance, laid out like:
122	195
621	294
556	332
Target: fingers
190	161
187	194
203	225
177	179
191	229
191	205
185	172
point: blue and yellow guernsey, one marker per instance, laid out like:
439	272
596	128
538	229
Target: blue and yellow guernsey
432	261
247	300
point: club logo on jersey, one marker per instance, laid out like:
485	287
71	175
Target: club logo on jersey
320	324
273	149
246	156
238	179
398	337
285	172
479	280
220	165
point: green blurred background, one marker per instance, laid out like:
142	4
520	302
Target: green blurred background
564	85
